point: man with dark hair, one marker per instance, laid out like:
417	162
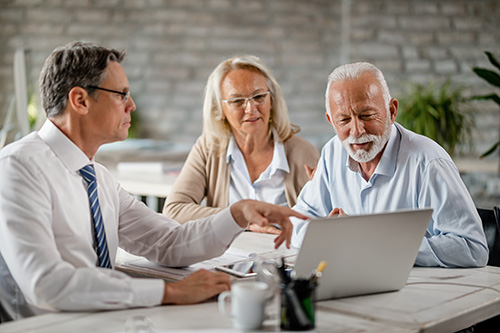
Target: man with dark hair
62	215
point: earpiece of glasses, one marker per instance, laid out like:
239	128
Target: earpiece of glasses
124	95
238	103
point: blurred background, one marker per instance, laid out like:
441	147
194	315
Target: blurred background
427	50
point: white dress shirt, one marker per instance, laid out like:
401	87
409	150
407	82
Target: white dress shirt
47	238
414	172
269	187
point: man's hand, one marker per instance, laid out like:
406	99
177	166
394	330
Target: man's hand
268	229
337	212
260	213
197	287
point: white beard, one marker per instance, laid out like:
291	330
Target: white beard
379	141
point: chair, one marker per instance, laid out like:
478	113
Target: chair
491	225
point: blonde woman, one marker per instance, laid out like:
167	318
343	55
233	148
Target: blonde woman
248	149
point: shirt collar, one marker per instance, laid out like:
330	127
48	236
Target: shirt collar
387	164
232	147
279	161
69	153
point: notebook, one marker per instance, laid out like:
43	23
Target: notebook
365	254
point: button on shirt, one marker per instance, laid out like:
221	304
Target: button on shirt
269	187
46	236
414	172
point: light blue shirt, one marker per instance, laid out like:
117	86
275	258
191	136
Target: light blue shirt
414	172
269	187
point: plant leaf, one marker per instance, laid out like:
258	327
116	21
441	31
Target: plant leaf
488	75
493	97
492	59
491	150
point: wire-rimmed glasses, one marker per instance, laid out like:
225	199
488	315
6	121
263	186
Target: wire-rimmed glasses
238	103
124	95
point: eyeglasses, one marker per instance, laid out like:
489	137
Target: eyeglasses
125	95
238	103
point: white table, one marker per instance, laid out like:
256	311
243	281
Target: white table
434	300
139	158
203	316
145	184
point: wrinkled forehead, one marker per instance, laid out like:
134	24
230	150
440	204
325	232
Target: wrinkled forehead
354	91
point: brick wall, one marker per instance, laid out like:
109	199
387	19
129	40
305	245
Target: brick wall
174	44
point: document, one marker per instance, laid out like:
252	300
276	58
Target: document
144	266
247	246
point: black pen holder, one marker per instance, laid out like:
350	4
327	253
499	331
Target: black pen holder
298	305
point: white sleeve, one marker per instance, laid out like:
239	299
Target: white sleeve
160	239
30	251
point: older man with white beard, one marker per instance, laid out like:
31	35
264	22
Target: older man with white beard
374	165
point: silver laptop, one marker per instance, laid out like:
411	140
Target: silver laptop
365	254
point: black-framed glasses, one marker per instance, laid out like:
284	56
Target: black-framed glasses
124	95
238	103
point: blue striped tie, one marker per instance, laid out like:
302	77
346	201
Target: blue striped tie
88	174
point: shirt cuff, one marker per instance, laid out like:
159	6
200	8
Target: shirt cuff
225	226
148	292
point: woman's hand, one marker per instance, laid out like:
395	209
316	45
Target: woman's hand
310	171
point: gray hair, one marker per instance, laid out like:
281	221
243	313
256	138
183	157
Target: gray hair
77	64
354	71
215	127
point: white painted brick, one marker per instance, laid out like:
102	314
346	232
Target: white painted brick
418	66
424	23
435	52
13	15
174	45
453	8
409	52
468	23
425	7
374	50
445	67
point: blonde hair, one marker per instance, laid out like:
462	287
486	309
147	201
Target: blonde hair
215	127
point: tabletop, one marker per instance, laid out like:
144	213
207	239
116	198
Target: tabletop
433	300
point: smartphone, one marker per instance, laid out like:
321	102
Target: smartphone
239	269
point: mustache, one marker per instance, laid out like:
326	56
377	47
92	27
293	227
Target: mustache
365	138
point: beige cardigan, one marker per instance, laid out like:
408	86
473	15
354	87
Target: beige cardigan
207	175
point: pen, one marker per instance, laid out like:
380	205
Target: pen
316	273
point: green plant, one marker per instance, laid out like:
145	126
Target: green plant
32	109
135	125
492	78
438	112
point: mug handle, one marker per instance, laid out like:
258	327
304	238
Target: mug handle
223	296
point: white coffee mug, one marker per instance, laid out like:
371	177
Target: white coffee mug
248	300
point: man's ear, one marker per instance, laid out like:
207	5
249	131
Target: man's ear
393	109
78	100
328	118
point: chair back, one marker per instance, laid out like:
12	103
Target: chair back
491	225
